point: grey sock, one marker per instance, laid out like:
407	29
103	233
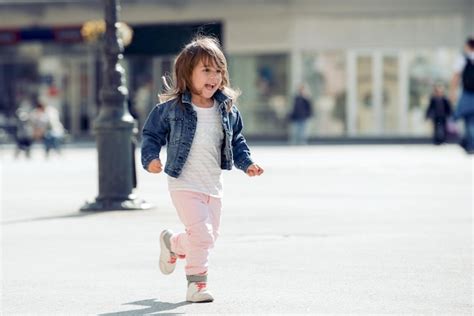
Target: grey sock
196	278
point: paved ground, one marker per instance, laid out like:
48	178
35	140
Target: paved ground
326	230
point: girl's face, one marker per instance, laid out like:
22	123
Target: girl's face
206	79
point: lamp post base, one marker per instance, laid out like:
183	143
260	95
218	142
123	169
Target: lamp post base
132	203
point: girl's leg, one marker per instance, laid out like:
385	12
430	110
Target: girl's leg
215	207
200	214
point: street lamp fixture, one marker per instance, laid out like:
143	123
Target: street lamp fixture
94	30
114	127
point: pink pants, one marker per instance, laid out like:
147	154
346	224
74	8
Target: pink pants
201	215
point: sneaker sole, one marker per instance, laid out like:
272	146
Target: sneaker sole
203	301
206	301
164	257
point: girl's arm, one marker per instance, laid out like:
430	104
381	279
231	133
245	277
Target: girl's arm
240	150
154	135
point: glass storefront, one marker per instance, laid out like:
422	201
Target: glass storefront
391	90
376	87
365	102
425	69
144	82
263	81
390	95
386	92
47	74
325	75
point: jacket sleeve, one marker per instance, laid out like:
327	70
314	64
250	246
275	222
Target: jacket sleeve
154	135
240	150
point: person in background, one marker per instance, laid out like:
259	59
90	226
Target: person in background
439	110
464	77
47	127
301	112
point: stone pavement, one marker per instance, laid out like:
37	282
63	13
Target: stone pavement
327	229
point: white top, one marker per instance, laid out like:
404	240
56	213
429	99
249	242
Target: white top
202	169
47	121
461	62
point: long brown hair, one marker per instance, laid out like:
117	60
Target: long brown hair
202	48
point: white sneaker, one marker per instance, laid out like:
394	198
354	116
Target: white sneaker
167	258
198	293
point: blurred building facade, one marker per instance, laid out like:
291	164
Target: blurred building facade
370	64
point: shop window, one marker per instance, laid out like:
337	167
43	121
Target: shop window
426	68
325	75
263	81
390	95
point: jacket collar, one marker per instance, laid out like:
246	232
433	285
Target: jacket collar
220	97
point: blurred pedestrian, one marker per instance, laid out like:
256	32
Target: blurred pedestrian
299	116
47	127
464	75
439	110
23	133
203	129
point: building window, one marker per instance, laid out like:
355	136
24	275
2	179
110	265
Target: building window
426	68
390	95
325	75
365	123
263	81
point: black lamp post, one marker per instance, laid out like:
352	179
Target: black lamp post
114	128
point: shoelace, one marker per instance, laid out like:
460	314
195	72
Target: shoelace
173	259
201	286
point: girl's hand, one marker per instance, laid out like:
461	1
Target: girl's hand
155	166
254	170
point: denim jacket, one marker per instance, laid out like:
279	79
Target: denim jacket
174	123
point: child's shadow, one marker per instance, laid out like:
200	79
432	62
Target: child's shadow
152	306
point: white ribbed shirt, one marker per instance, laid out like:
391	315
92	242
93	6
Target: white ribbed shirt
202	169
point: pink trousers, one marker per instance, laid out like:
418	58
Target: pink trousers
201	215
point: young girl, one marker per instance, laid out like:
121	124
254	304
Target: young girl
202	128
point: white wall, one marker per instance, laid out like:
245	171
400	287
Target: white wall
399	32
258	25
